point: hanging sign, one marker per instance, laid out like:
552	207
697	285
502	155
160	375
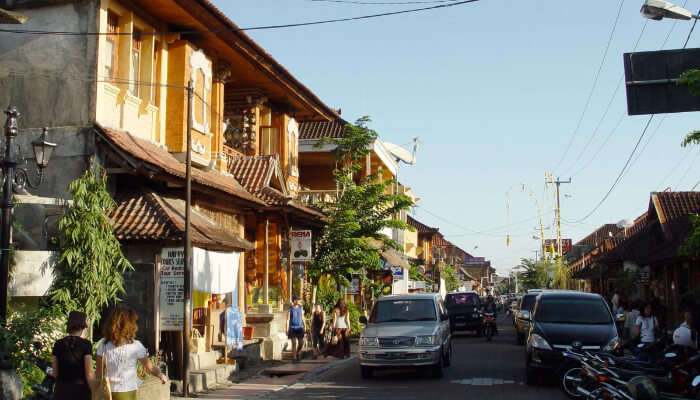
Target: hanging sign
172	289
301	245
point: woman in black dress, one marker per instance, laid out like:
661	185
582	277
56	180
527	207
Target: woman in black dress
72	361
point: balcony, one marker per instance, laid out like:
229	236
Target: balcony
314	197
228	154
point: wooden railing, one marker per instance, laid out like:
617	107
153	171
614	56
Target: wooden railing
228	154
314	197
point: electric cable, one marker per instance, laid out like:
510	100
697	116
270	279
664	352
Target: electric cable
252	28
383	3
692	164
622	171
595	83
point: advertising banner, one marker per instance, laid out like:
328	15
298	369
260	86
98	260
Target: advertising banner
301	245
172	289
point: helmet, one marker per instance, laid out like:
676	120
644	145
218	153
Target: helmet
642	388
682	337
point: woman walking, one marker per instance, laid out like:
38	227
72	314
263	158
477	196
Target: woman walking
72	361
119	352
295	328
318	327
341	327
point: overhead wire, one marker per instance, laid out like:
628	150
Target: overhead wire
382	3
593	86
252	28
692	164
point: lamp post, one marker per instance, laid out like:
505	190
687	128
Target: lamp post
660	9
15	177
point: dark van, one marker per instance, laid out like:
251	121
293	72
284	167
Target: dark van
464	311
562	319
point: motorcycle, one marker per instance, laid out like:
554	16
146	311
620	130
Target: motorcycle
489	325
43	390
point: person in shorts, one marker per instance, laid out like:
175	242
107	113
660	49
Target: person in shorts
295	328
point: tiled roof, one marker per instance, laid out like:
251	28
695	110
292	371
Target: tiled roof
149	216
420	227
254	173
158	157
673	205
440	241
318	129
599	235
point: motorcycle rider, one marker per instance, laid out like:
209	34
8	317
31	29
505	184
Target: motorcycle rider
490	307
685	335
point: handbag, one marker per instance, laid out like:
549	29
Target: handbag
198	344
334	339
101	389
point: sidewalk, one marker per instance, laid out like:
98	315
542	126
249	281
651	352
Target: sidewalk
272	379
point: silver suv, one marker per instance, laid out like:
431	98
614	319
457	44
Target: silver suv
406	331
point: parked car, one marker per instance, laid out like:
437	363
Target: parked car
464	309
565	319
523	315
406	331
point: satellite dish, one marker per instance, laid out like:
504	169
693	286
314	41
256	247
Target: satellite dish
625	223
400	153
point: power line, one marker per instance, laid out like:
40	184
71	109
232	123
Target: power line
253	28
692	164
382	3
675	167
608	107
595	83
622	172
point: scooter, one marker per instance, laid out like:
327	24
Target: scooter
489	325
44	390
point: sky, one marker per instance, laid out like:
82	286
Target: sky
495	90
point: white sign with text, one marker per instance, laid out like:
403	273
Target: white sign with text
301	245
172	288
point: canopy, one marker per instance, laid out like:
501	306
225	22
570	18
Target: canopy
214	271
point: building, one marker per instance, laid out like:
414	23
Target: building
120	100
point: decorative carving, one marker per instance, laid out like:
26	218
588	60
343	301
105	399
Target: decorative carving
198	147
223	71
241	131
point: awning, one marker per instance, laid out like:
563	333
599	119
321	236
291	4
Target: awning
214	271
391	256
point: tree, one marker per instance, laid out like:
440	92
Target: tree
449	274
541	274
363	208
89	273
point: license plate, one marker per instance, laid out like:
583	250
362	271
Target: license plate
393	356
460	323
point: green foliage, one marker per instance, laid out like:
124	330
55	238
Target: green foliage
91	265
354	315
626	282
326	294
363	208
542	274
691	78
415	275
44	325
691	244
449	274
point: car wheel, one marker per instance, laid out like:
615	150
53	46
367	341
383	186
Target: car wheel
436	370
530	376
366	372
447	359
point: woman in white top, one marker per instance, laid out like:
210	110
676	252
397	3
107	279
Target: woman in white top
341	327
121	352
647	326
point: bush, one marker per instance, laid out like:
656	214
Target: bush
355	325
327	295
45	325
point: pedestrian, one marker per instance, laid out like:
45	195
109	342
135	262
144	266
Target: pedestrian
318	327
615	301
72	361
119	352
685	335
631	320
295	328
647	330
341	330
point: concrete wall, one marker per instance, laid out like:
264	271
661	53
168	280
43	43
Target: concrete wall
32	274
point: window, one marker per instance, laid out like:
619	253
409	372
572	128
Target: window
461	299
110	56
135	73
573	311
199	103
403	310
268	134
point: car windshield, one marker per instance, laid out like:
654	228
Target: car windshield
461	299
572	311
403	310
528	303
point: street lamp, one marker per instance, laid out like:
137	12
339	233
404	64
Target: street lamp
15	178
660	9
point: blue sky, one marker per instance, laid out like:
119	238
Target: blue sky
495	90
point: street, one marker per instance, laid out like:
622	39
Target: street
481	370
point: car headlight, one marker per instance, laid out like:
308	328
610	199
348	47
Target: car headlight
613	344
538	342
369	341
428	340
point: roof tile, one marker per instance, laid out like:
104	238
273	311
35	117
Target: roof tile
319	129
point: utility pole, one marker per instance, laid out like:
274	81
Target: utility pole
187	303
558	182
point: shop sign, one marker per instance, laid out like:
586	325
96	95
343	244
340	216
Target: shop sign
172	288
301	245
354	286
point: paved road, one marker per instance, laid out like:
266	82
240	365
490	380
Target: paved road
479	370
